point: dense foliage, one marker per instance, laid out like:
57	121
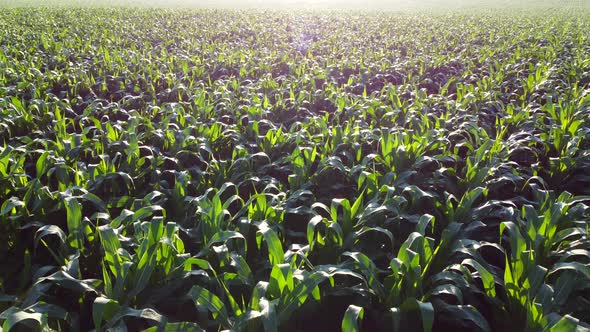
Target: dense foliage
208	170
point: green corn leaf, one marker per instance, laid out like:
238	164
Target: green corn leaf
269	315
566	324
583	269
258	294
242	268
143	272
74	222
273	244
49	230
174	327
357	204
14	316
41	165
212	302
147	314
9	205
224	236
311	230
352	317
102	310
517	241
281	279
369	270
401	315
485	275
464	317
300	293
423	223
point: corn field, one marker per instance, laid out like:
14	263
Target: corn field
251	170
